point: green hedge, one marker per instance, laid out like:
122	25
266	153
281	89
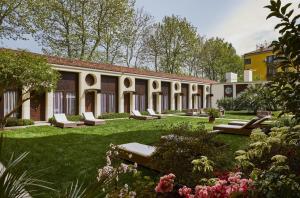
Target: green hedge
114	115
18	122
172	112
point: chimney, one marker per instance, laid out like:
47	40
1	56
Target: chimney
247	75
231	77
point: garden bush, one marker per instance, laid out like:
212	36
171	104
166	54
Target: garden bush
227	103
114	115
188	142
18	122
273	161
212	112
172	112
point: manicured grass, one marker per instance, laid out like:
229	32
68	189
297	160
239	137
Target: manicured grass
64	155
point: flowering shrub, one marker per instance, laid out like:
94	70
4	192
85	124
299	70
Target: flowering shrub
175	154
110	174
234	184
166	184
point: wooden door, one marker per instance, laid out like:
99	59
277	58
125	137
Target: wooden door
127	102
38	108
90	102
154	102
176	102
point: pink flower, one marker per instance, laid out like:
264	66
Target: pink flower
166	184
185	192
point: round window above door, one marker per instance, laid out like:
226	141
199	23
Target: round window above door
90	80
127	82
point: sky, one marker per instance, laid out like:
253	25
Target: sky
240	22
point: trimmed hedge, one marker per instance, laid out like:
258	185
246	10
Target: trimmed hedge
172	112
114	115
18	122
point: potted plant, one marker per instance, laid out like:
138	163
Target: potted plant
212	114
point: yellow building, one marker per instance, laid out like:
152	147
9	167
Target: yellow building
260	62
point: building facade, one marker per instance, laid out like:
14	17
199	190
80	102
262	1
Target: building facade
260	62
102	88
229	90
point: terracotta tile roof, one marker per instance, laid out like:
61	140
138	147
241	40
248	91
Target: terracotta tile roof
114	68
260	50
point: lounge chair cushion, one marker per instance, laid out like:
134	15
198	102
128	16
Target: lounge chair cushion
89	116
136	113
138	149
151	112
61	118
228	126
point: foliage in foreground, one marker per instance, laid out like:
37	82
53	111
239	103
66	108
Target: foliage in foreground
286	83
186	143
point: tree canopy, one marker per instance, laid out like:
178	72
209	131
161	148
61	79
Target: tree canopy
116	32
23	71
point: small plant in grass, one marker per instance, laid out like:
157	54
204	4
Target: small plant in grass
212	114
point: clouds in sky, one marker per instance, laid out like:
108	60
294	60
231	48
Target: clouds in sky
246	26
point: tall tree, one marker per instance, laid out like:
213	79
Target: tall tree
193	63
78	28
37	77
219	57
176	35
152	49
108	27
14	18
137	28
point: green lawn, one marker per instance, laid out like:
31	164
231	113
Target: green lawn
63	155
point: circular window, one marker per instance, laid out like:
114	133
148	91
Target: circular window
228	90
207	89
155	84
194	87
90	79
176	86
127	82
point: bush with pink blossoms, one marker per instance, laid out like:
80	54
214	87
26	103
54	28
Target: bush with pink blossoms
235	184
166	184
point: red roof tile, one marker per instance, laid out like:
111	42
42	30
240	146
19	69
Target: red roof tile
114	68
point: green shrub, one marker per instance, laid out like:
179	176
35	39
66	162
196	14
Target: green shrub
227	103
215	113
18	122
74	118
175	154
114	115
172	112
285	121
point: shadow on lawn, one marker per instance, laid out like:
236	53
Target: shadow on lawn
67	157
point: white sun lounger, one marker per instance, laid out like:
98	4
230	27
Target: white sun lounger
89	119
62	121
152	113
137	115
136	152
